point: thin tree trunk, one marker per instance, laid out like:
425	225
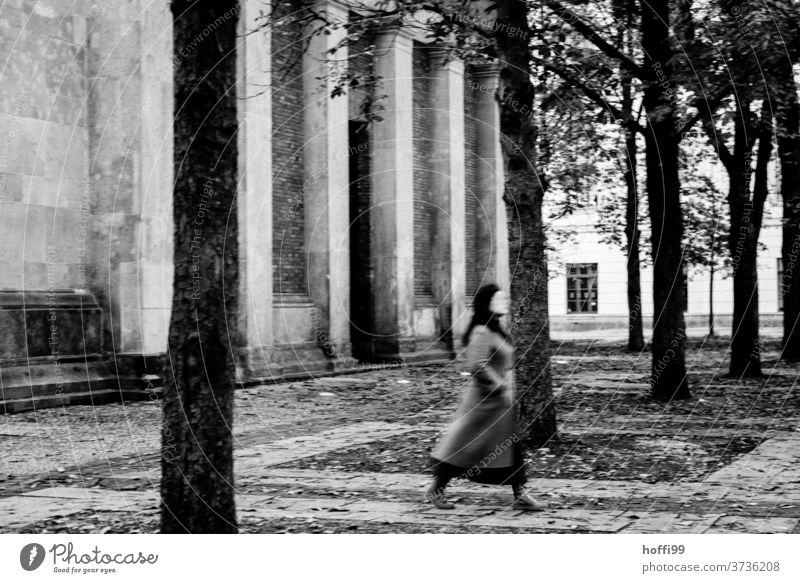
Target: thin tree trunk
623	11
711	302
635	333
635	327
663	193
535	406
197	447
788	132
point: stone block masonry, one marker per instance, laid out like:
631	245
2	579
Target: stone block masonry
353	243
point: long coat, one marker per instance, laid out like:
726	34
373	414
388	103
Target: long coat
482	444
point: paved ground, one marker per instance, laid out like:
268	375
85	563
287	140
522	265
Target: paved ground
620	334
347	454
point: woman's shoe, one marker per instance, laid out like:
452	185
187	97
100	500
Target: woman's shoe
436	497
524	502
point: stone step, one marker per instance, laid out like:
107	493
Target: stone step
108	394
43	383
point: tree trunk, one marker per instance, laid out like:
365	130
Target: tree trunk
711	302
197	447
635	334
668	379
787	126
623	12
746	211
745	353
535	406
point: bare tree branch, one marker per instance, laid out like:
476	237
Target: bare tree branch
589	91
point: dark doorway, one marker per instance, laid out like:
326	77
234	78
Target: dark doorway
361	271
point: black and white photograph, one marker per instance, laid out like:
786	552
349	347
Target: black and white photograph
400	267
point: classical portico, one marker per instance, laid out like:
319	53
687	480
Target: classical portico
365	220
408	319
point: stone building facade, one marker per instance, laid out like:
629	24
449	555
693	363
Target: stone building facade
361	237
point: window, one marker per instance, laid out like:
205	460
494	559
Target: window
780	284
582	288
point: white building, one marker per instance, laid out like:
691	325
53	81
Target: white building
588	277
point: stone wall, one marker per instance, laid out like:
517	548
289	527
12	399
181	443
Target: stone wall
129	67
85	194
44	198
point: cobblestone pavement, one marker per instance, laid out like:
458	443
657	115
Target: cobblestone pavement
347	454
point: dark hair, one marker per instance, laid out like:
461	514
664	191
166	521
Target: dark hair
482	315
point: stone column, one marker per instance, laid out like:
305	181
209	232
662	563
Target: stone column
254	198
156	267
326	186
492	228
393	190
448	187
130	131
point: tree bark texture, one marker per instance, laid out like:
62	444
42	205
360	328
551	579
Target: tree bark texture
746	213
197	486
528	263
668	379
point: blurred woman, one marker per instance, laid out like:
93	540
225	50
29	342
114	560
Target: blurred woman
483	443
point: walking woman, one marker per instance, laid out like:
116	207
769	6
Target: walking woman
483	443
